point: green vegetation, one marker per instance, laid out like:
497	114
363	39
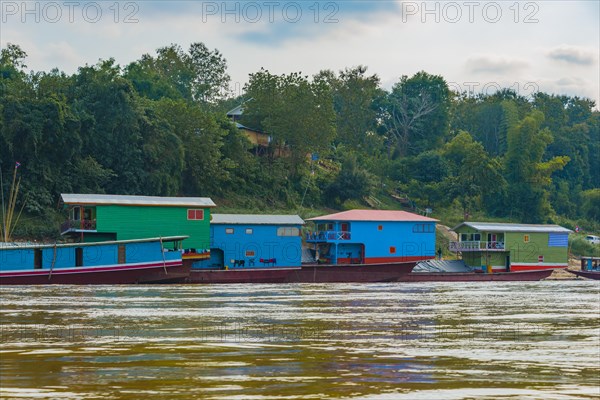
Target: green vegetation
339	140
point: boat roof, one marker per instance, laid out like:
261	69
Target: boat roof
256	219
374	215
29	245
113	199
507	227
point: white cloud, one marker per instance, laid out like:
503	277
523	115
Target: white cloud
573	55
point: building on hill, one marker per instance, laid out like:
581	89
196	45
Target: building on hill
512	247
372	237
101	217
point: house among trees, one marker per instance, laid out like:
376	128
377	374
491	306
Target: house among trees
512	247
260	140
101	217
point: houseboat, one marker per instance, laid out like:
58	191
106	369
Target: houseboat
250	248
503	247
100	217
351	246
367	246
110	262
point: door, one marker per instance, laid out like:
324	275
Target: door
508	263
345	228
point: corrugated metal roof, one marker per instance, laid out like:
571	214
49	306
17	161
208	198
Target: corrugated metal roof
105	199
257	219
374	215
506	227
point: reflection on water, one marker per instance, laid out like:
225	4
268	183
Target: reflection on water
373	341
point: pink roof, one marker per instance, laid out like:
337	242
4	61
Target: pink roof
373	215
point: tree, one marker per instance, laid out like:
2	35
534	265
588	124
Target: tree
527	174
199	75
298	113
416	113
473	174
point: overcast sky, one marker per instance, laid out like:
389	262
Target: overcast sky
477	46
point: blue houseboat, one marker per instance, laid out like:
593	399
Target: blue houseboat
110	262
250	248
372	237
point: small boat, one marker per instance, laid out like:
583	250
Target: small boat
111	262
476	276
586	274
590	268
458	271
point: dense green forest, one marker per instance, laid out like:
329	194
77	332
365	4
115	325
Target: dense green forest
158	126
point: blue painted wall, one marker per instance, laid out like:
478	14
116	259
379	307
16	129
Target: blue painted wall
23	259
411	240
263	241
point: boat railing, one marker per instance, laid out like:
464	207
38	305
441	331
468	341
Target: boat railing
74	224
326	236
476	246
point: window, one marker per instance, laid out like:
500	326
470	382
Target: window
79	257
380	227
250	253
423	228
229	231
288	231
37	259
464	237
195	215
526	238
249	231
121	254
477	237
392	249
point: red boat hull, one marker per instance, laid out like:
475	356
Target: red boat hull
586	274
265	275
389	272
476	276
122	275
386	272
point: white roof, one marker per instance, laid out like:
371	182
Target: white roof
505	227
105	199
248	219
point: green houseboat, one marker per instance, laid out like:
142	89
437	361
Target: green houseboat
99	217
512	247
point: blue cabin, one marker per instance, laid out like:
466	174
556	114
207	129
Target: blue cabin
372	237
254	241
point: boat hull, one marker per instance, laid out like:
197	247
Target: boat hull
385	272
389	272
586	274
171	272
231	276
476	276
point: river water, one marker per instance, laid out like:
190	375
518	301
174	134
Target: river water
508	340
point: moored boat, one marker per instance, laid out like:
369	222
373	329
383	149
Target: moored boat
590	268
476	276
111	262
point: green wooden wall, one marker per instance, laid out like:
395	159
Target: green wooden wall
136	222
537	246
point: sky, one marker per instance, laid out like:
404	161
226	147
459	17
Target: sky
477	46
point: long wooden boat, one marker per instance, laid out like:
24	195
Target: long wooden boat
307	273
475	276
112	262
342	273
586	274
